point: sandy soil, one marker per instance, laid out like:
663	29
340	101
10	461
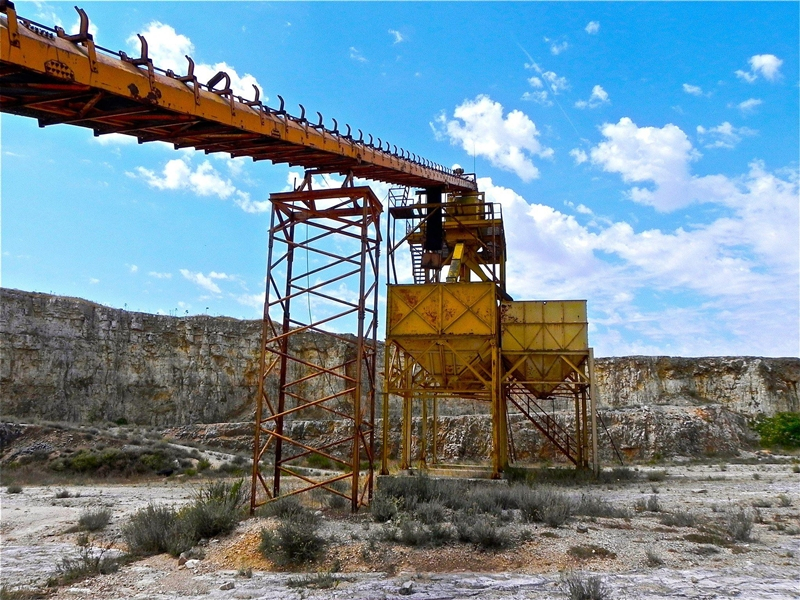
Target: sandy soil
34	525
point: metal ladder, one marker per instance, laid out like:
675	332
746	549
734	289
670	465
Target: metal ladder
416	263
527	404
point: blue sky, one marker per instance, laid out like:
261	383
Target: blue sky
645	154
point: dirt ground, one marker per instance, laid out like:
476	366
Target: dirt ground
34	534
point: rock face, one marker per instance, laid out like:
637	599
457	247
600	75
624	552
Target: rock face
747	385
73	360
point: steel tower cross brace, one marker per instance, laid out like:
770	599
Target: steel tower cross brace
312	292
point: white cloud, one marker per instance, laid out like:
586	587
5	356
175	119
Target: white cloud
749	105
557	48
243	201
746	76
94	281
557	84
766	65
158	275
554	82
167	48
133	268
115	139
179	175
723	135
356	55
579	155
398	37
597	98
252	300
658	156
741	267
204	180
204	281
694	90
509	142
593	27
538	97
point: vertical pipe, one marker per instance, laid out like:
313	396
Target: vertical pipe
593	409
497	414
284	349
578	434
374	362
423	437
585	427
388	351
435	432
405	462
262	368
357	417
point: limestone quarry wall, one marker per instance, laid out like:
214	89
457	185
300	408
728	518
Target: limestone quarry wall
69	359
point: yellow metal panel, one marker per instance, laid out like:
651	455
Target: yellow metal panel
447	328
544	333
544	325
451	309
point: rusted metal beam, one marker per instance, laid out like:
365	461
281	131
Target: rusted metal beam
57	68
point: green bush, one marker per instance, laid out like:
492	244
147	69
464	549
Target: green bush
383	507
594	506
216	509
582	587
338	501
545	505
282	508
150	530
94	520
295	541
739	525
430	513
115	461
89	562
483	531
679	518
782	429
650	504
14	489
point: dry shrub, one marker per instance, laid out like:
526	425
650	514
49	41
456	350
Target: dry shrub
94	519
583	587
295	541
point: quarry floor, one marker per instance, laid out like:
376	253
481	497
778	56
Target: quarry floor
34	538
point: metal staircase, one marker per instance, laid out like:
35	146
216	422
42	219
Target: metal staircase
528	405
416	263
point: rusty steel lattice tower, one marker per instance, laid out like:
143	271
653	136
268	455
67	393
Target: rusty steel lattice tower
305	275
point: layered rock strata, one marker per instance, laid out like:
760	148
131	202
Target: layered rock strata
73	360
